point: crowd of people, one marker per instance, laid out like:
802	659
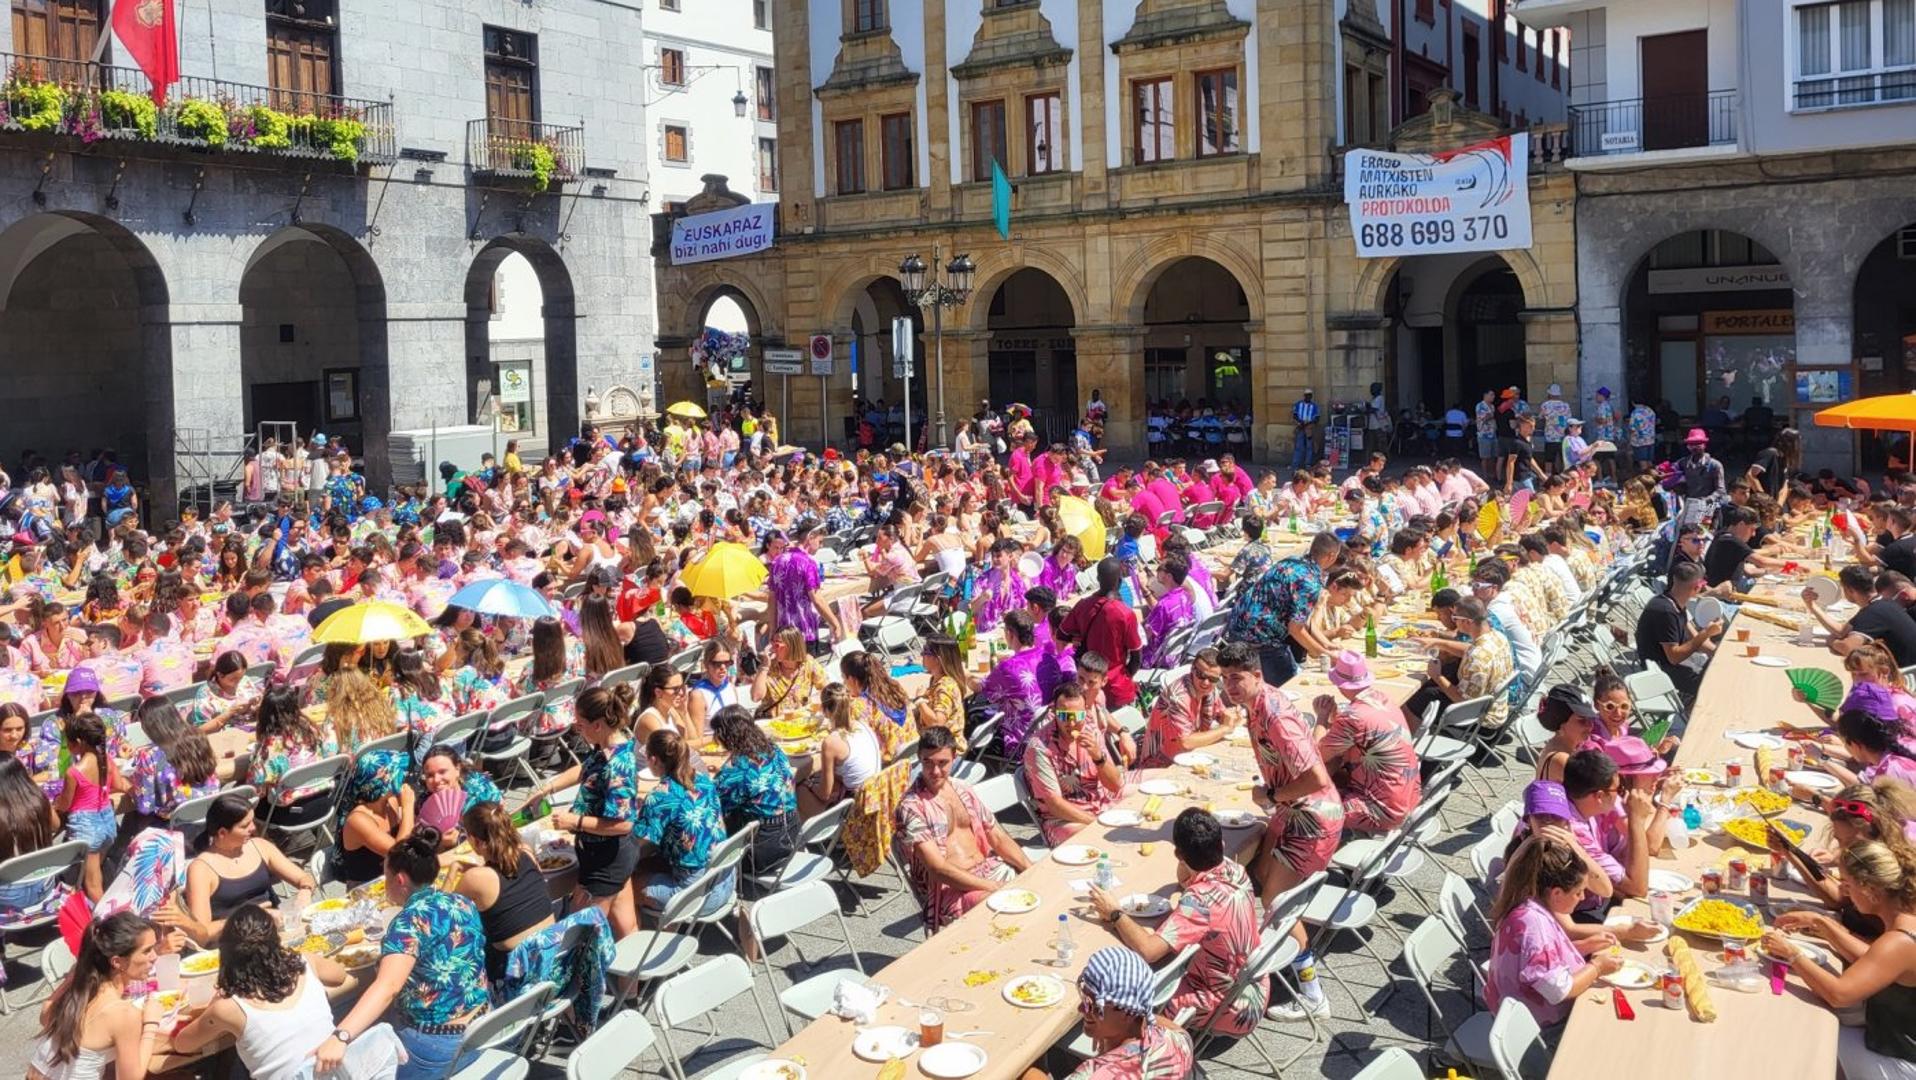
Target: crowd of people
143	668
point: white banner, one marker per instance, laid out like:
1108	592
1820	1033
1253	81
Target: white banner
722	234
1476	198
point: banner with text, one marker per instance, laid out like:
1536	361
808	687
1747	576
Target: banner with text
742	230
1476	198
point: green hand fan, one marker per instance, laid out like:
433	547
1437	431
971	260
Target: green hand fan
1656	732
1821	686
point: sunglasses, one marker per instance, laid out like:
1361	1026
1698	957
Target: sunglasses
719	661
1852	808
1207	679
678	688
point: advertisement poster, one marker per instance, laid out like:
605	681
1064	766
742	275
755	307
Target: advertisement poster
1472	199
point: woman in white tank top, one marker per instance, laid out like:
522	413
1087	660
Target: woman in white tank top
89	1024
272	1000
847	759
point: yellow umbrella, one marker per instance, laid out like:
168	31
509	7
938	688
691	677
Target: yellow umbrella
374	620
726	571
1080	519
685	409
1888	412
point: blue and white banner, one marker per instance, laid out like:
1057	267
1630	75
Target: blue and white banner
722	234
1476	198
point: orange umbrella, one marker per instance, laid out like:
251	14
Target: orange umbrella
1888	412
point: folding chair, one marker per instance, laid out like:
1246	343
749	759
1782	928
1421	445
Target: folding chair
999	794
1395	1063
189	818
1350	909
458	732
45	865
979	745
1514	1035
1275	949
1454	897
1429	950
181	696
619	1043
644	956
780	916
627	674
500	1037
1487	860
398	740
323	775
687	661
508	722
559	692
726	857
699	992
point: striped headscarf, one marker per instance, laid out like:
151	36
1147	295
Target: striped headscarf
1116	977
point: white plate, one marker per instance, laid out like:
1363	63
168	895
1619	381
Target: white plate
1145	906
1769	661
1191	759
1076	855
1826	590
1616	924
1816	954
1631	976
1161	787
1839	607
1053	991
1031	566
952	1060
1701	776
1118	819
884	1043
1815	781
1237	819
773	1069
1292	694
1670	881
1706	610
1757	740
1012	901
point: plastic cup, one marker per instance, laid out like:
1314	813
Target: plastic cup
1753	650
1743	634
931	1028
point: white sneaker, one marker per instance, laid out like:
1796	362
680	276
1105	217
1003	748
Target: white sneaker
1297	1011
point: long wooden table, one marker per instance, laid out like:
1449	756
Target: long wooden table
1791	1036
1012	945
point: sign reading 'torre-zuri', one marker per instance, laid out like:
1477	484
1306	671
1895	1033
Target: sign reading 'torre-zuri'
1476	198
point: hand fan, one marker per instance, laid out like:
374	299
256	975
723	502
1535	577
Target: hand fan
1820	686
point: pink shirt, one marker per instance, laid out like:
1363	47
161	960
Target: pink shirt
1046	474
1167	494
1455	489
1533	961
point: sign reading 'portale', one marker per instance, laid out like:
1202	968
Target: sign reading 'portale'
722	234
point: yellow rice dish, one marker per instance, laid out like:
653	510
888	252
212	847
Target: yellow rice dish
1755	831
1722	918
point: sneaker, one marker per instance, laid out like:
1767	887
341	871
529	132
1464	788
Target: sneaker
1296	1012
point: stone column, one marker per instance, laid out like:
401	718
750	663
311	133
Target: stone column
1550	348
1089	110
1111	358
1295	92
937	134
793	24
206	405
967	373
677	380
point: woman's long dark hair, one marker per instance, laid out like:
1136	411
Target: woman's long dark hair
735	730
26	818
548	649
493	838
280	714
655	681
115	937
603	652
411	672
185	748
226	663
669	747
253	963
872	674
87	730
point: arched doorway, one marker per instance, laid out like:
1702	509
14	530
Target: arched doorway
86	350
312	339
727	340
1032	357
879	389
1884	306
1197	351
1454	332
522	343
1709	337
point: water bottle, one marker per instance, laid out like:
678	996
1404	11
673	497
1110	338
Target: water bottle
1105	879
1692	818
1677	831
1061	943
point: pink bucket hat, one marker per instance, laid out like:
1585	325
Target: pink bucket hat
1696	435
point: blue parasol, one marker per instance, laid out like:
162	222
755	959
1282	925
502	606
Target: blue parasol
502	596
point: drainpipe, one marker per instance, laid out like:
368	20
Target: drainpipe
1399	78
1498	50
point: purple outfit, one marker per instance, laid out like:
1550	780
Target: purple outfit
1003	592
1013	688
1174	609
1061	578
794	578
1202	575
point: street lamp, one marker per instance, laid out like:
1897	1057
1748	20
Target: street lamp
935	295
738	103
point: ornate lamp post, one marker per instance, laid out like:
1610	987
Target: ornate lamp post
935	294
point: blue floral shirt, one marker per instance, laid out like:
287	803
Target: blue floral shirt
683	825
609	784
442	933
1284	595
760	789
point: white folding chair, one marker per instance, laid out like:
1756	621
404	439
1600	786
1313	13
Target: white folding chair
804	866
779	916
398	740
325	777
1454	898
458	732
563	691
1428	951
1514	1035
506	739
646	956
726	857
189	818
629	673
620	1041
35	867
1395	1063
999	794
698	992
499	1038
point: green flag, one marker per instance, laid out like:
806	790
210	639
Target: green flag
1000	200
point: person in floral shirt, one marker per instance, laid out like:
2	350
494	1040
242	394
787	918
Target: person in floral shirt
1309	817
681	819
1603	428
1366	743
1188	715
1217	912
755	784
1114	993
1485	422
1001	589
955	850
432	964
1071	775
944	702
794	581
1642	425
287	741
605	808
1486	665
176	765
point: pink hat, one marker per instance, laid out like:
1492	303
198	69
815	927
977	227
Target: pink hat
1634	757
1349	672
1696	435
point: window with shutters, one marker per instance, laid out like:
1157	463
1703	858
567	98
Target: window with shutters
512	83
672	67
987	137
677	141
848	141
1044	133
869	16
62	31
767	86
302	47
1217	112
899	159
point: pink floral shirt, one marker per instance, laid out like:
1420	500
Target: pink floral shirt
1219	914
1533	961
1060	767
1180	711
1165	1053
1281	737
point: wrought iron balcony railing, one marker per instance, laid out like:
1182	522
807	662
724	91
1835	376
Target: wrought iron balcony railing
1636	125
540	154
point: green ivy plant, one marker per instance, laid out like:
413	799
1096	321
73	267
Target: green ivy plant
537	159
36	106
123	110
203	120
338	136
272	129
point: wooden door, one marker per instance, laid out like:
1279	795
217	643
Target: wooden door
300	66
1676	90
65	32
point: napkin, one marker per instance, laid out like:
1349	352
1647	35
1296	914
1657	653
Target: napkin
857	1002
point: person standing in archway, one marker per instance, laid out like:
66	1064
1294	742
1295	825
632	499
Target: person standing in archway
1304	442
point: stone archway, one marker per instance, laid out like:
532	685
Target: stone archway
555	402
1197	316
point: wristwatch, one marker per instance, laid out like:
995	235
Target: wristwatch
345	1037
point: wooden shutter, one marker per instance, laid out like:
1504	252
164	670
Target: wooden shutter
63	31
300	66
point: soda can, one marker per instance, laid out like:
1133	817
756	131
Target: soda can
1760	890
1672	989
1738	879
1733	774
1777	783
1712	881
1735	952
1796	755
1662	906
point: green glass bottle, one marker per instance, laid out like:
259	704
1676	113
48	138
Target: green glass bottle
1370	636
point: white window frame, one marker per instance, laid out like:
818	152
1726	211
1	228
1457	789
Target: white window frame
666	162
1876	71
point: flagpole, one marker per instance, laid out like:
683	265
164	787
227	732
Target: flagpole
106	30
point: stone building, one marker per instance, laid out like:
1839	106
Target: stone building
309	230
1177	224
1746	216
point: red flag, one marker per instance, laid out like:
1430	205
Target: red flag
146	28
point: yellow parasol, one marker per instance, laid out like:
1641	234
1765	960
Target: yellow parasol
1887	412
1488	518
726	571
685	409
1080	519
374	620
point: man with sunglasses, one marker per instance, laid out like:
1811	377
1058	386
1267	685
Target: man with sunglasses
1190	714
1071	773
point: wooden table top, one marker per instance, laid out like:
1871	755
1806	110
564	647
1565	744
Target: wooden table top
1744	1042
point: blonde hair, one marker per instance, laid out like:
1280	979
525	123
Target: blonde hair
1881	665
1891	804
836	703
359	709
1879	866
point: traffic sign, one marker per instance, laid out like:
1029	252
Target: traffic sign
902	342
821	352
784	361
